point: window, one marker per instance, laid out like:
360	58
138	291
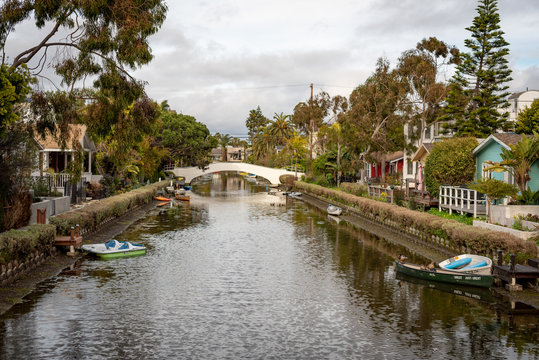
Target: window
508	177
410	169
427	132
486	174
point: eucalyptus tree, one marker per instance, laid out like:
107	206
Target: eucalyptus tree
373	123
309	116
420	69
91	46
478	90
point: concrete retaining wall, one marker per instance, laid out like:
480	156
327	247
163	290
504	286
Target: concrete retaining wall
53	205
525	235
505	214
45	204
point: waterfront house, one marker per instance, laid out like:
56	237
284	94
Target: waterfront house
54	159
393	165
490	149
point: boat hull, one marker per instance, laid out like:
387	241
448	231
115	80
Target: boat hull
121	254
445	276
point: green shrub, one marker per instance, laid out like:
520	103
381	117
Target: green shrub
19	244
91	216
450	163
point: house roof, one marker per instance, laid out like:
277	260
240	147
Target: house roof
395	156
75	132
424	148
517	95
504	139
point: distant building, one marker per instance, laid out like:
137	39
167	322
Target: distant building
519	101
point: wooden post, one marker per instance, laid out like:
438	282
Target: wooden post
500	259
72	235
512	268
77	231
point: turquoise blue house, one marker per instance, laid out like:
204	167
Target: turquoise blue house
491	148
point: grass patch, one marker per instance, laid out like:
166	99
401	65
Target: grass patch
468	220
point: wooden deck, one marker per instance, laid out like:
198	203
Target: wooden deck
509	274
74	239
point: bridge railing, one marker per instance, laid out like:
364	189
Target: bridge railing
297	168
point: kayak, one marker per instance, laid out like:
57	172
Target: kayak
161	198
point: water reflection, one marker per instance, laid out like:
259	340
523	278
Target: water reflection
233	277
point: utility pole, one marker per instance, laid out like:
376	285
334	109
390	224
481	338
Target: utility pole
312	125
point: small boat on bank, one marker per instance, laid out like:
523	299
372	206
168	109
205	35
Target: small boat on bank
294	194
334	210
161	198
183	197
115	249
445	276
163	203
468	263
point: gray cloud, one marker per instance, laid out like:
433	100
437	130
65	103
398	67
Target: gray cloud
218	60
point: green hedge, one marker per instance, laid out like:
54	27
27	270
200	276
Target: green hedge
91	216
480	241
20	244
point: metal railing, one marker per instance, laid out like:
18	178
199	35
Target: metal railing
462	200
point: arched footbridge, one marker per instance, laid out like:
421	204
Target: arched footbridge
270	174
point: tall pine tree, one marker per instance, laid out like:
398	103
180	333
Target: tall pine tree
478	90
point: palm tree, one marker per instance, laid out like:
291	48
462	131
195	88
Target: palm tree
280	128
224	141
262	143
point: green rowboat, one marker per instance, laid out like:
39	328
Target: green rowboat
445	276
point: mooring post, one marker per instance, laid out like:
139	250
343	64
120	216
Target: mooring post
500	259
77	231
512	268
72	233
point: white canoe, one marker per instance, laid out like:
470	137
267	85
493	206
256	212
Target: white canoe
334	210
468	263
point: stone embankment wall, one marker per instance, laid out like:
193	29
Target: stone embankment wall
430	229
23	250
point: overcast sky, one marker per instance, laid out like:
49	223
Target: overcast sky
216	60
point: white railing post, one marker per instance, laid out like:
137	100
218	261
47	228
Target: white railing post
475	204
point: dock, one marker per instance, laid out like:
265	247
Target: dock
513	273
73	241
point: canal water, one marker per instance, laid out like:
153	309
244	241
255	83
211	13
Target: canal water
240	274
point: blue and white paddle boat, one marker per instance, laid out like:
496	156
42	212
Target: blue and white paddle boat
115	249
468	263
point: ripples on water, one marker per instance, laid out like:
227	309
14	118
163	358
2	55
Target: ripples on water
229	277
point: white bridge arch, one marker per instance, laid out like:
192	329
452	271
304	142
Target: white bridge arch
270	174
